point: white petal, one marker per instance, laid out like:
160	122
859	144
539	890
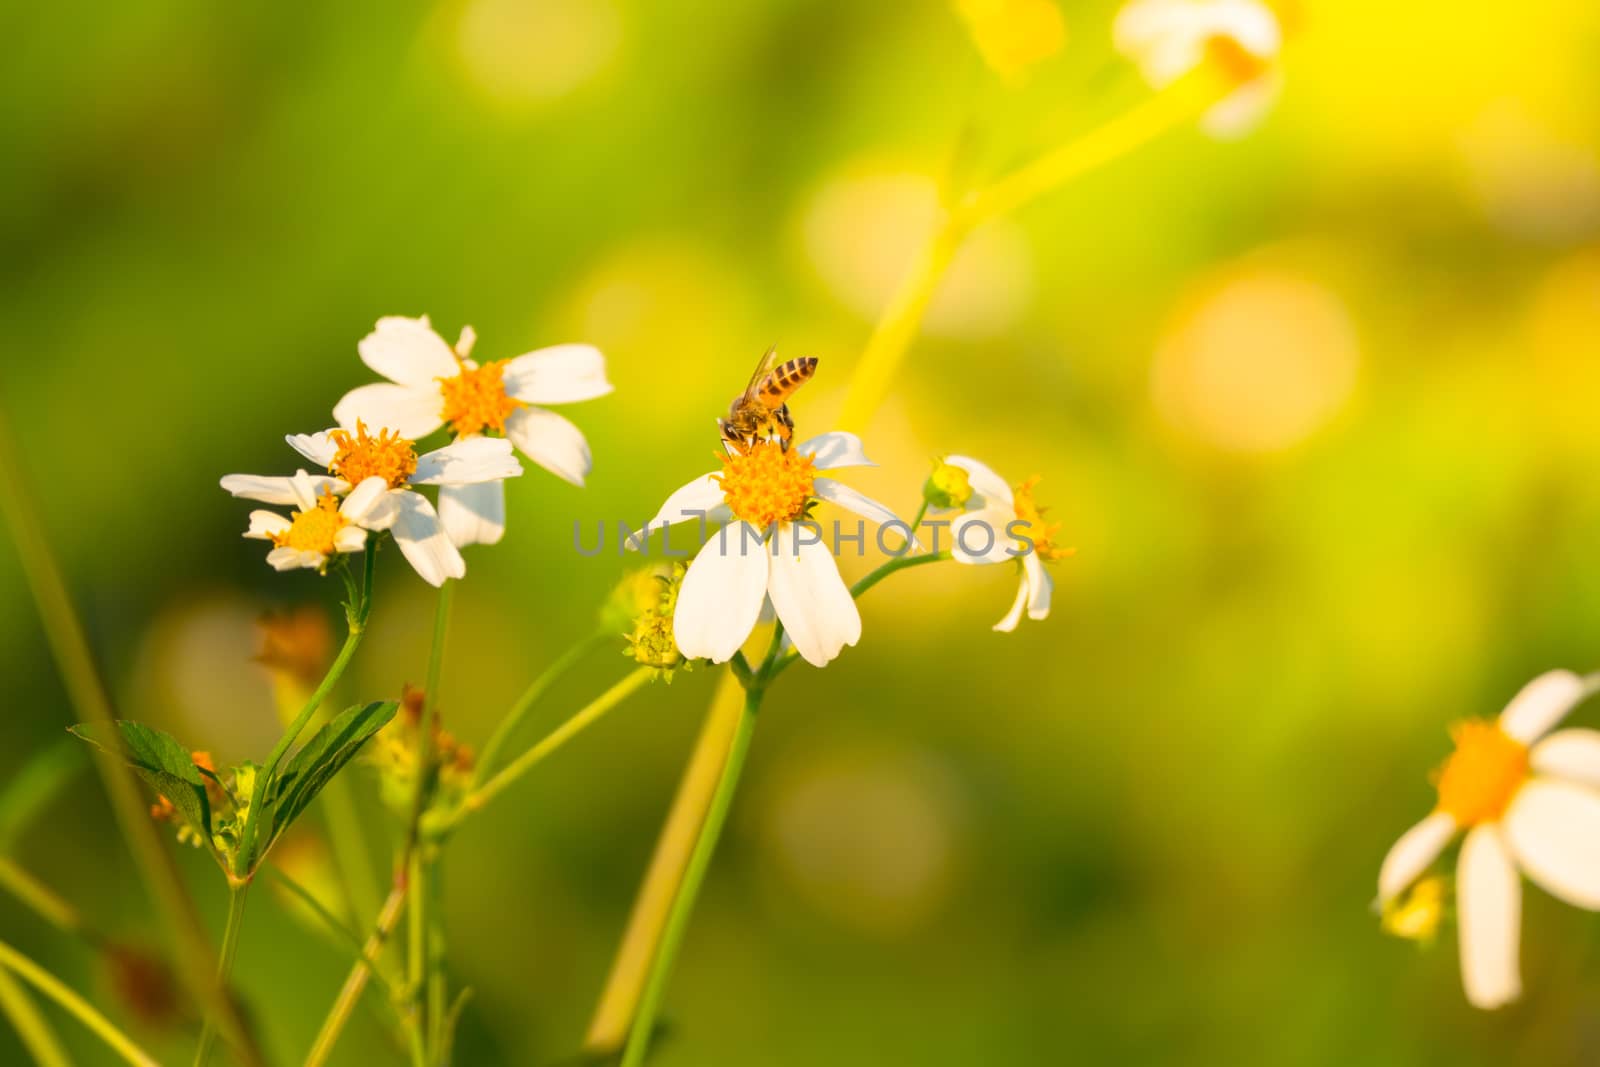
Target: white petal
1239	112
991	490
288	559
421	537
1039	586
979	537
317	447
561	374
550	441
408	351
305	491
863	505
1542	704
410	411
721	595
467	461
817	611
1014	616
1416	850
830	451
1489	903
1553	829
278	491
692	501
363	500
350	539
265	523
1572	754
473	514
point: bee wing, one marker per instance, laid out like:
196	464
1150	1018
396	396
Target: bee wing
763	369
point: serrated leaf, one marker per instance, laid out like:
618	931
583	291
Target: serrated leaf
333	746
165	764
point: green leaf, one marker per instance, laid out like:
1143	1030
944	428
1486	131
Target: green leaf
308	770
160	760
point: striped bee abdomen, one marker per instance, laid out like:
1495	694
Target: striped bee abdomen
785	378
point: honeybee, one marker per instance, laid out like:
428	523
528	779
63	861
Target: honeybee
761	413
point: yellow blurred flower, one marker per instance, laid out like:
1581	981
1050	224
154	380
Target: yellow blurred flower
1013	36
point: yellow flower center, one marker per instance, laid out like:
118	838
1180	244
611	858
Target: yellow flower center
1483	774
1039	531
314	530
475	400
767	484
388	456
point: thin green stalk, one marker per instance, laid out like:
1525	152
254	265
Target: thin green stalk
356	982
899	563
44	901
902	319
630	967
922	513
683	903
74	1005
31	1026
230	949
581	720
438	992
525	703
417	976
69	645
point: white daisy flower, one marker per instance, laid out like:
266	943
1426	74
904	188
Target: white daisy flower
384	469
764	554
321	527
433	385
1002	525
1169	38
1528	802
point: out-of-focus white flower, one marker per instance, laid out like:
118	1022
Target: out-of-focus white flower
1001	525
1241	38
384	469
763	553
432	385
1528	802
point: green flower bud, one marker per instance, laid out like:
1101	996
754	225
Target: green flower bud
947	487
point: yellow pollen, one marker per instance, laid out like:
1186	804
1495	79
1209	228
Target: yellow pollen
1039	531
1237	64
313	530
1483	774
767	484
388	456
475	400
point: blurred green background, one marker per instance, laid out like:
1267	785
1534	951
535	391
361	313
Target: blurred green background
1316	407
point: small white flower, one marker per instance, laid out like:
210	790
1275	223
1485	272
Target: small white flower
1003	525
766	554
433	385
321	527
1170	38
1528	802
384	469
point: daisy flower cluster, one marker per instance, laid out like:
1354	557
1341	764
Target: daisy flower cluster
370	470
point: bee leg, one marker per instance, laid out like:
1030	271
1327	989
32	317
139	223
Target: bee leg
783	423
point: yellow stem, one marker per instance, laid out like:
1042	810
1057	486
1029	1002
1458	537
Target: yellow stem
81	1009
613	1016
31	1026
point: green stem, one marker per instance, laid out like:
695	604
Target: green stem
530	696
86	690
350	993
421	857
899	563
31	1026
922	513
683	903
230	949
76	1006
585	717
438	988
